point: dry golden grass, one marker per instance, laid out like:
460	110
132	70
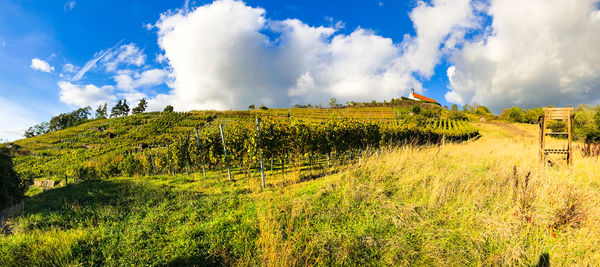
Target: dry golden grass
484	202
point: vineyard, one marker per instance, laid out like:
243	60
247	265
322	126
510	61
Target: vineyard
172	142
469	203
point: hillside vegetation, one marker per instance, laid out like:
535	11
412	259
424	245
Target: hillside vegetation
483	202
165	142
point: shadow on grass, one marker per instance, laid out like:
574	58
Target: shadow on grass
135	217
544	260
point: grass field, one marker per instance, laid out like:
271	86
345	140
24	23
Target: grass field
482	202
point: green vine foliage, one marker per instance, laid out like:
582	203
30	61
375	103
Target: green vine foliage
137	144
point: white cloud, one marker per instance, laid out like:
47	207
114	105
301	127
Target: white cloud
128	54
151	77
69	5
41	65
92	62
444	22
536	53
85	95
69	68
220	58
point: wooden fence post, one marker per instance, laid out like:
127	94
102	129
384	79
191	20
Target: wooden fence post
199	146
170	162
262	168
152	162
225	151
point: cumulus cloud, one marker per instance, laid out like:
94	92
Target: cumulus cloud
41	65
126	81
85	95
440	27
534	53
220	58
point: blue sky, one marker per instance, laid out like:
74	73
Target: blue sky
56	56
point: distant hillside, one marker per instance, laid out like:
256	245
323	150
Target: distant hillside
54	154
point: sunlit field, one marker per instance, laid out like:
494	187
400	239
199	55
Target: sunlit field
481	202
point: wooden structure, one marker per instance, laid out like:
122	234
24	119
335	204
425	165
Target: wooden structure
560	114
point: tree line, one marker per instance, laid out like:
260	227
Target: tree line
82	115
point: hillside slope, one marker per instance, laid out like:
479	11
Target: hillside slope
57	154
484	202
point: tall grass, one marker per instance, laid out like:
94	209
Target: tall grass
484	202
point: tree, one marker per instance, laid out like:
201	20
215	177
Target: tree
516	114
141	107
467	108
124	108
263	107
101	112
168	108
454	107
116	110
12	188
120	109
38	129
65	120
252	107
333	103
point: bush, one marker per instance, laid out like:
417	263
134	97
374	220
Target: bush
457	115
557	126
130	166
86	173
415	109
12	188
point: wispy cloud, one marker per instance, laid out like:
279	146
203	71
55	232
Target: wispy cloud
91	63
69	5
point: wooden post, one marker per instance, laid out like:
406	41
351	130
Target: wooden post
170	163
187	169
543	138
570	126
199	146
225	151
262	167
152	162
360	153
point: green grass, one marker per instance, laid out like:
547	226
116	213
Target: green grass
152	221
458	204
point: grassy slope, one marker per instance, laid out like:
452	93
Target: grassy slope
455	204
50	155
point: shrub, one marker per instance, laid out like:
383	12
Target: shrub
457	115
557	126
86	173
130	165
415	109
12	188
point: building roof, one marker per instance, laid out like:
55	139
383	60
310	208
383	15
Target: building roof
418	96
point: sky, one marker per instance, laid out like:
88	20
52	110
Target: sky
57	56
